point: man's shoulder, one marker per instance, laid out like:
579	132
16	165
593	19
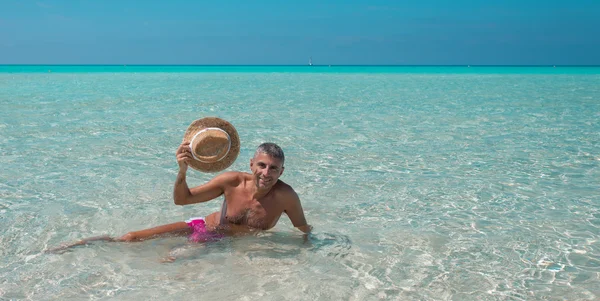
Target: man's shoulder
285	189
234	174
232	177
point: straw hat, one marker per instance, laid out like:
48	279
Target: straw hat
214	144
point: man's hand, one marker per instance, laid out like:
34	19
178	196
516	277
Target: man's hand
306	228
183	155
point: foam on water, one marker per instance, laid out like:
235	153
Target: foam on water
421	186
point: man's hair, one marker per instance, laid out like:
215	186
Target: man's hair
272	150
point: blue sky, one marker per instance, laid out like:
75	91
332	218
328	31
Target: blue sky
289	32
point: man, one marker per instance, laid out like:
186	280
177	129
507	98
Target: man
252	201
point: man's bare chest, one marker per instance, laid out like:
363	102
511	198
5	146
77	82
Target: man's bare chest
242	209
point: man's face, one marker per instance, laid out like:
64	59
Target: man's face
266	169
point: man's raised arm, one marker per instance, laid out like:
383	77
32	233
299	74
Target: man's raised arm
182	195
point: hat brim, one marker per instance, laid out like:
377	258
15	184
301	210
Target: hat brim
214	122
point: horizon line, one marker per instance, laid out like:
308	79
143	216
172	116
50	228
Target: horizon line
305	65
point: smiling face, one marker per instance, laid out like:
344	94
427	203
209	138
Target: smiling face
266	170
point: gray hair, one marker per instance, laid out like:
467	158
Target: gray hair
272	150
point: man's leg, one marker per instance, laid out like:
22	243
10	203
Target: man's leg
174	229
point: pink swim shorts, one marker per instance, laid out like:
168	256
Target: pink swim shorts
199	231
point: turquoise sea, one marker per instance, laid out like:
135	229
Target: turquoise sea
422	183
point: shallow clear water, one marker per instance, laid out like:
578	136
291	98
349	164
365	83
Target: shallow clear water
420	185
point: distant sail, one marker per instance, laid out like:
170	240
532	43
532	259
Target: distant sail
310	61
